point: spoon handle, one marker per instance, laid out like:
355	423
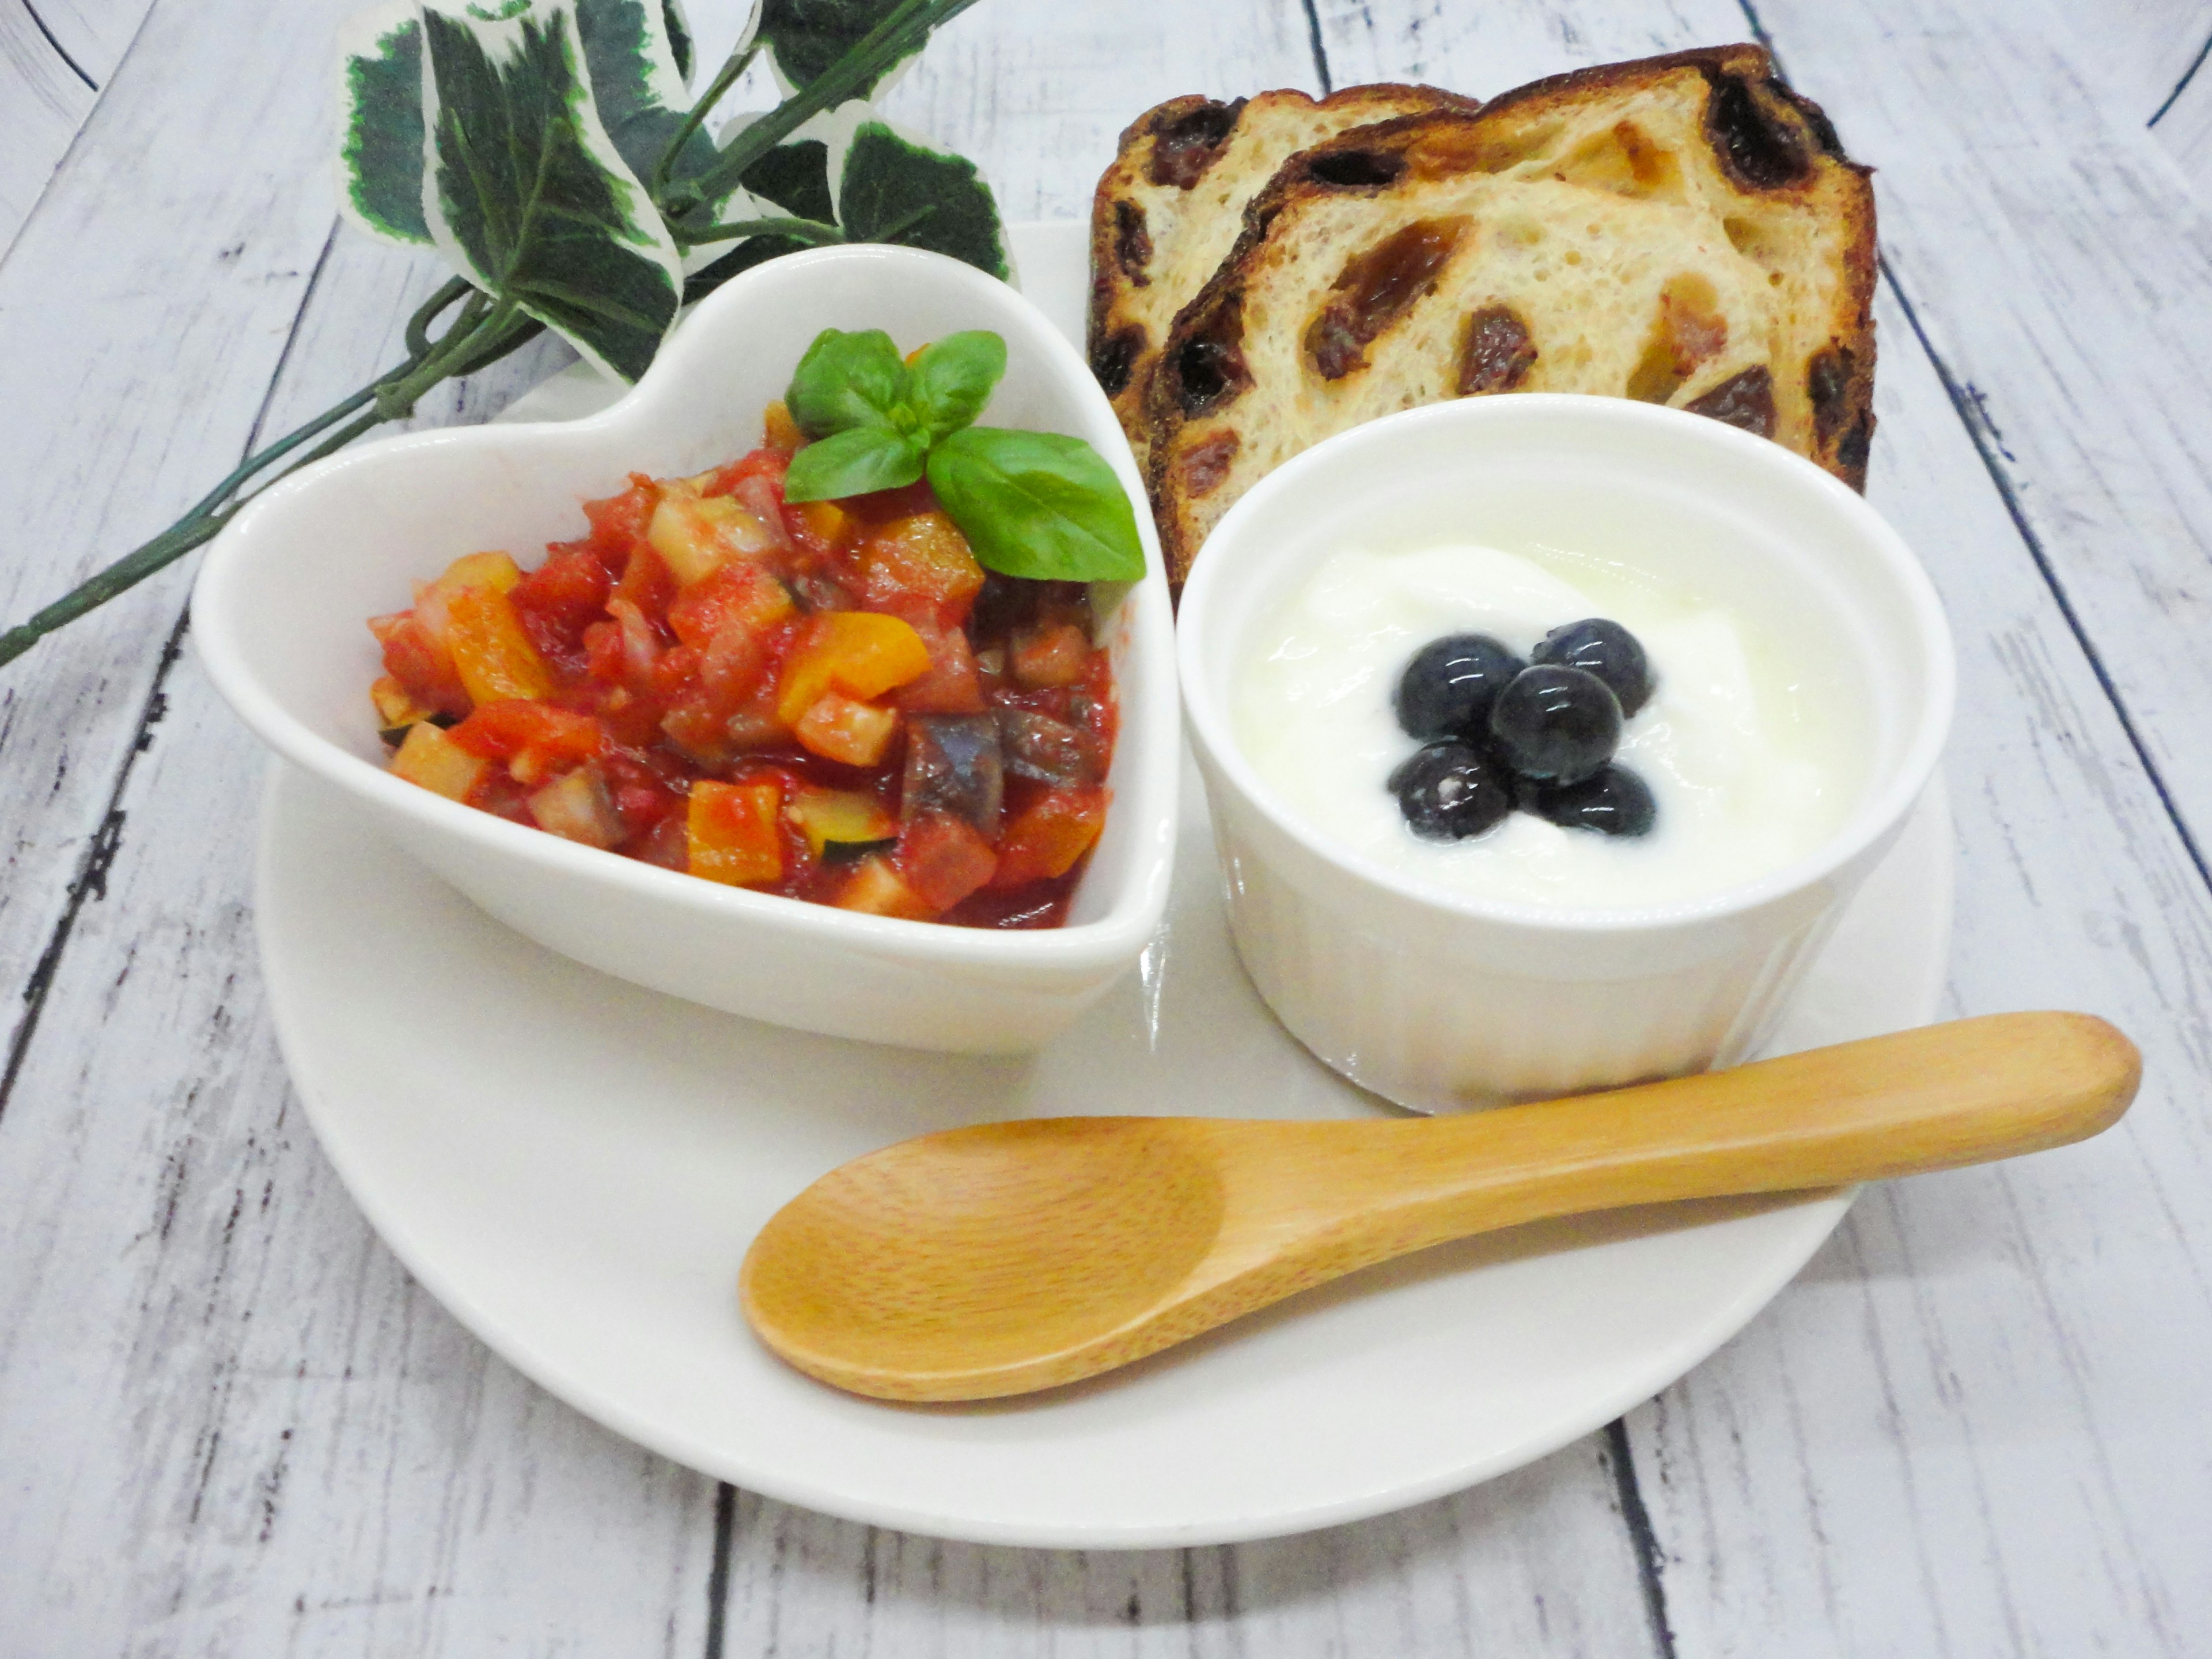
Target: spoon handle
1933	1098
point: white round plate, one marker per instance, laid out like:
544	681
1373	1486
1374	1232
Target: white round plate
574	1166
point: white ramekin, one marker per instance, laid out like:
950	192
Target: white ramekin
1438	1000
278	619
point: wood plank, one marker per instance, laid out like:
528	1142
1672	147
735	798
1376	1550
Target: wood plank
95	33
2185	131
42	104
2086	361
1520	1565
231	1423
1959	1431
1963	1430
2134	52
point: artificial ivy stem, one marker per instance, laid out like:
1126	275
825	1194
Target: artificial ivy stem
418	325
881	48
737	63
811	231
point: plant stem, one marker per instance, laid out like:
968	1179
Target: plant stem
724	79
881	48
812	232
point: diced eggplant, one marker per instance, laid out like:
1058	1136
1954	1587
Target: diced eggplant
954	764
1052	751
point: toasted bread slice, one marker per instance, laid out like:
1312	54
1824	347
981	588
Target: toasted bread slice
1682	229
1173	201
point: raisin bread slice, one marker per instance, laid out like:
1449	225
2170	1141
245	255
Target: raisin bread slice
1682	229
1173	201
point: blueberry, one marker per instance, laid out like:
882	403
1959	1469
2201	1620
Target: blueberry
1448	790
1615	802
1605	649
1558	724
1447	690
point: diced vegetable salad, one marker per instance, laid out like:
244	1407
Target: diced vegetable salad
832	699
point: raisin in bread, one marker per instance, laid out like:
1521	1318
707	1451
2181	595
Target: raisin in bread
1682	229
1171	206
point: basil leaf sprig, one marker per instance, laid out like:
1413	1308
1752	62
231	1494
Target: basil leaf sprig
1034	504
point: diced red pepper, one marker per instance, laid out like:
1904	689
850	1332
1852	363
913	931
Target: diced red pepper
415	661
501	730
558	601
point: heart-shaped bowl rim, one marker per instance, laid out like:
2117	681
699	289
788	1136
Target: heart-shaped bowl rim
279	609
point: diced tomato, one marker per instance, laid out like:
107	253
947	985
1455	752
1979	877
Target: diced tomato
640	795
922	560
645	583
1048	837
944	859
491	654
1054	654
733	832
768	463
558	601
746	592
667	844
535	738
856	651
839	728
420	666
952	686
618	522
822	530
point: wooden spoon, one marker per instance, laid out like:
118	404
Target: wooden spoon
1007	1257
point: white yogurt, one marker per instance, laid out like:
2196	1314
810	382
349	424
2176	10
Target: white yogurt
1750	759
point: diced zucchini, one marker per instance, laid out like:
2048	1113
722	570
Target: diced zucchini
879	889
695	535
839	823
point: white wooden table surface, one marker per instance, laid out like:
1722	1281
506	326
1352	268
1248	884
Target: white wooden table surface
1977	1423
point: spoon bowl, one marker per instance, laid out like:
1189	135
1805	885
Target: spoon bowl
1008	1257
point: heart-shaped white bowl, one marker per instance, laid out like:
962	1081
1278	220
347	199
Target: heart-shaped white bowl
279	618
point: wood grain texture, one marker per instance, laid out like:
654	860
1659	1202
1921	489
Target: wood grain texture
1972	1428
45	102
1533	1563
2185	128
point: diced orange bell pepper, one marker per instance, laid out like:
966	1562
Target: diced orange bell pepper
821	528
838	728
732	833
395	705
430	758
1049	836
491	653
859	653
778	429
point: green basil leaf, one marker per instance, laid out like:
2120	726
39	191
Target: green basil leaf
380	123
527	196
851	463
847	380
1037	504
894	190
806	37
953	379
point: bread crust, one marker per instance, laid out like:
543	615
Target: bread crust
1750	181
1148	257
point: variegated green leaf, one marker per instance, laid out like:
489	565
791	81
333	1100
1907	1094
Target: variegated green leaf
380	123
894	188
638	84
806	37
677	28
525	192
